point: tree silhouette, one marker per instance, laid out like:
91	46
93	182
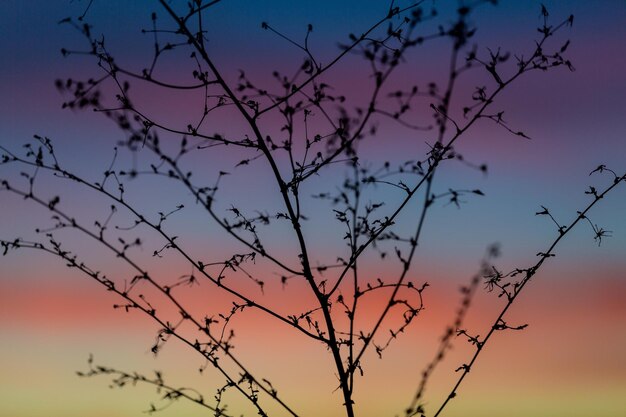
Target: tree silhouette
307	231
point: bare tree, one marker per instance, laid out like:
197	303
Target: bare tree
271	163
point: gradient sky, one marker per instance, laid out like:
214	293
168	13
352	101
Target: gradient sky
570	361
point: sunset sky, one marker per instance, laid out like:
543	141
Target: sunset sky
569	361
